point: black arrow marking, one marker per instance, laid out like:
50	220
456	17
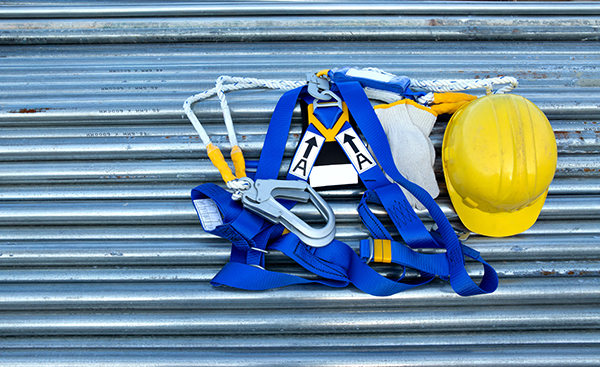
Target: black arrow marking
312	142
349	139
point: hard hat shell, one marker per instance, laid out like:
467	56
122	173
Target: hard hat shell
499	157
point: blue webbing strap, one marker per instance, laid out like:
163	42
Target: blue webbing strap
252	278
375	226
277	134
396	84
240	236
388	194
337	262
242	271
367	121
432	264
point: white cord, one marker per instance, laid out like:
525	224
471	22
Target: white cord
227	83
453	85
236	83
447	85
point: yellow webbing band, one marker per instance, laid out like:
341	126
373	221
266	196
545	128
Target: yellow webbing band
238	161
377	251
217	159
387	251
382	251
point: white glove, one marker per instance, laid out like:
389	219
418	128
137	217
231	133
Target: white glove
407	126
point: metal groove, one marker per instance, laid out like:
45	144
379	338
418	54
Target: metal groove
135	246
460	357
589	338
310	322
200	296
182	212
290	8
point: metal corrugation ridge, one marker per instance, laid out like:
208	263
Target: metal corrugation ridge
111	9
103	261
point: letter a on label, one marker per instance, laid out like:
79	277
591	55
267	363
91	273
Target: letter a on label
356	151
306	154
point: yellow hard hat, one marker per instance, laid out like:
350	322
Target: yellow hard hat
499	157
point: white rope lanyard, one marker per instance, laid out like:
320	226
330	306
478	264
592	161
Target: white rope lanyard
233	84
226	83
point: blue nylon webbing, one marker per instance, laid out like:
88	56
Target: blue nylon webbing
394	201
276	138
397	84
336	262
360	108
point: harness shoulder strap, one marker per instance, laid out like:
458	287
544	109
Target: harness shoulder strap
367	120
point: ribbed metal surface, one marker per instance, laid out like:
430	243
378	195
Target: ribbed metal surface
103	261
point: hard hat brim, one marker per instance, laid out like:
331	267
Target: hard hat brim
501	224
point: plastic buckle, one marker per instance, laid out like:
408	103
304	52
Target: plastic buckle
260	199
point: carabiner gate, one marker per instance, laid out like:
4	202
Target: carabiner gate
260	199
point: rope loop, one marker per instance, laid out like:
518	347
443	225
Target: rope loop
453	85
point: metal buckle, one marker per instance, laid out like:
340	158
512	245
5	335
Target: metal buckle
371	250
319	89
260	199
316	86
462	233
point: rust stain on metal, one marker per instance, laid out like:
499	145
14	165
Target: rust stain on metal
548	273
580	272
561	134
29	110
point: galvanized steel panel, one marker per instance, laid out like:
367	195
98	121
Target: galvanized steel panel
102	258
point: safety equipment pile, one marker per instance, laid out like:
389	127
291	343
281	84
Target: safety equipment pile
339	105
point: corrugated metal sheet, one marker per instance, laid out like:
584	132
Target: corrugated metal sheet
103	261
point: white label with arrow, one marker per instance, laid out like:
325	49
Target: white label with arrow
355	150
306	155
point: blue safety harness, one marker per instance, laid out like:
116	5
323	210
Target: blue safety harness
337	264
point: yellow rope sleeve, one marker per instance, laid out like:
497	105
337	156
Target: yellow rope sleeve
217	159
322	72
450	102
238	161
